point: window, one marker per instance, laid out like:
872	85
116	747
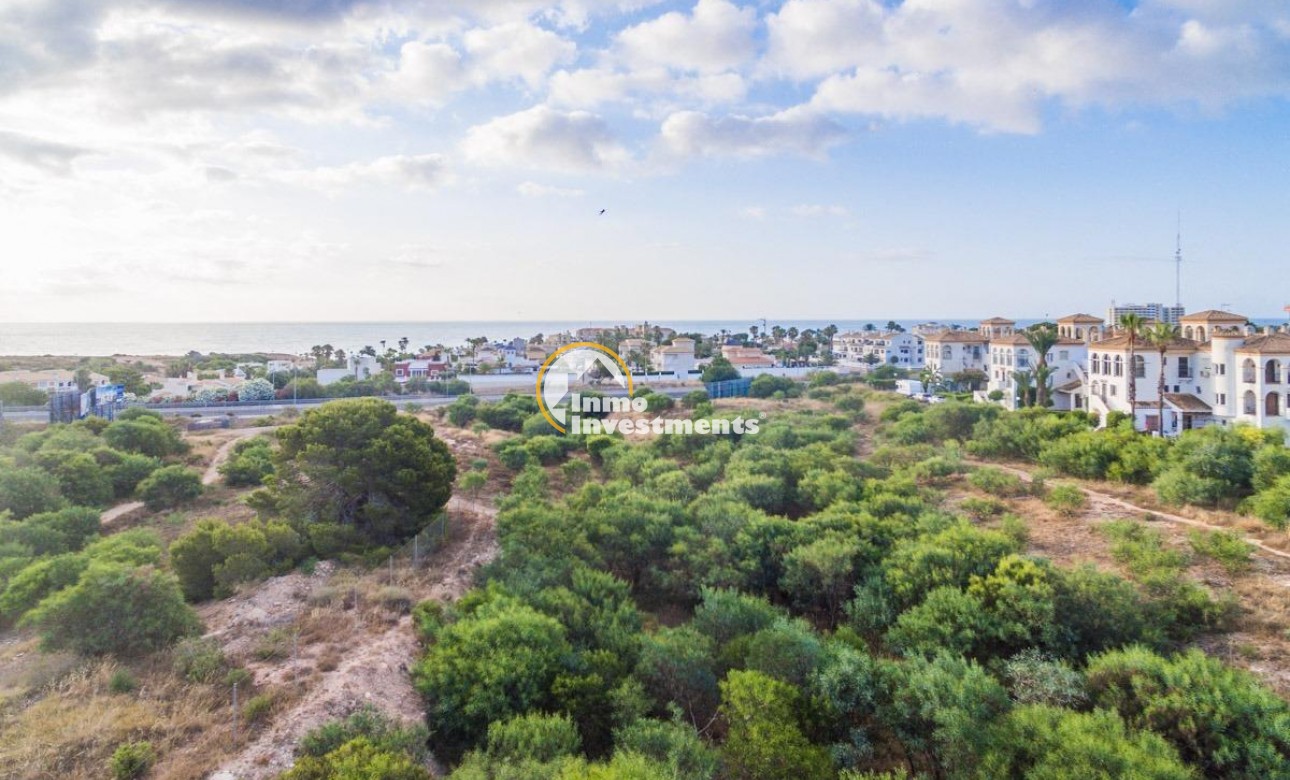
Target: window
1092	364
1251	402
1139	367
1220	369
1248	372
1112	391
1184	368
1272	372
1222	399
1064	355
1119	366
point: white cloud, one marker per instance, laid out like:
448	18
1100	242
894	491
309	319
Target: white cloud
530	189
427	72
516	50
542	137
753	212
794	131
997	66
416	172
592	86
819	210
716	36
39	153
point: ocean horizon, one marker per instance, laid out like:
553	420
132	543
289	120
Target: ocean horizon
179	338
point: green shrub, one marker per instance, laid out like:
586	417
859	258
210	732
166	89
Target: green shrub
513	454
144	435
28	491
694	398
1272	504
132	760
997	482
249	463
258	708
129	471
1066	500
199	660
982	507
1228	548
115	609
215	557
122	682
1222	720
169	487
371	724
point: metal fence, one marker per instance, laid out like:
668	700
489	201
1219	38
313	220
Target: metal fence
731	388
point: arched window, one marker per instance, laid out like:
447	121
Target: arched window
1092	364
1248	371
1119	366
1187	332
1139	367
1272	405
1272	372
1251	402
947	352
1106	365
1079	333
1200	334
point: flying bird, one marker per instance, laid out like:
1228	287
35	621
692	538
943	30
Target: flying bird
602	211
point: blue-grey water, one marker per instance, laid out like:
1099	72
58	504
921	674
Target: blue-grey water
120	338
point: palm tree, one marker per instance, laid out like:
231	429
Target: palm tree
1133	325
1022	378
1042	338
1161	336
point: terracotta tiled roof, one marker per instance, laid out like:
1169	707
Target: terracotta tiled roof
1186	402
957	336
998	321
1082	318
1069	387
1120	343
1214	315
1267	344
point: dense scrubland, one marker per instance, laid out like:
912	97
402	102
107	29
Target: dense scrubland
856	591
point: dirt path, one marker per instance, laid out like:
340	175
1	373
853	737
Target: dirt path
376	671
211	476
1107	504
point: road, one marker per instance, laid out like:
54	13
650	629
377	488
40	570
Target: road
274	407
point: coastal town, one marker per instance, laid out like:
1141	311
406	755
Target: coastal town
1169	370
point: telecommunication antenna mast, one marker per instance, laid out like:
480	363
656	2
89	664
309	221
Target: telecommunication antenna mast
1178	264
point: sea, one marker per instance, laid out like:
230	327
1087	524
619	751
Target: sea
180	338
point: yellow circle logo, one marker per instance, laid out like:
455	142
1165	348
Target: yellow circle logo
573	363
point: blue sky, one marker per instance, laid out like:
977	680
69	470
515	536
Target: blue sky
173	160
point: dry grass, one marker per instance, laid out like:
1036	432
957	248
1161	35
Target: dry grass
70	727
1260	637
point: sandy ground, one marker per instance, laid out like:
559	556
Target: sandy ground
1107	505
373	671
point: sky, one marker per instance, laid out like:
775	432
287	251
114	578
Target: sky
325	160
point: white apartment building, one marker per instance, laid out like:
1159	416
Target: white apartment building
1012	354
955	351
861	348
1148	311
1225	373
